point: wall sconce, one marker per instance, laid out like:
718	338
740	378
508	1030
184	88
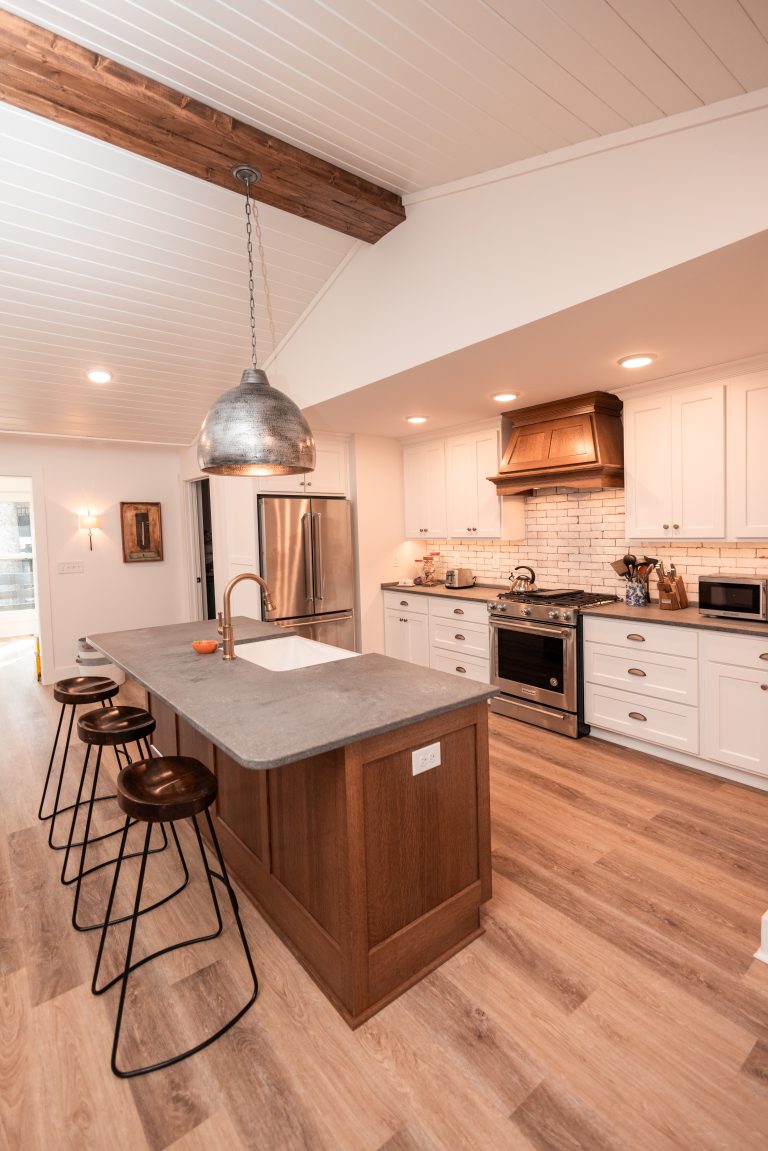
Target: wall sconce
88	523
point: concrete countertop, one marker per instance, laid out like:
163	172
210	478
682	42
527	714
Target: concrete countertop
264	719
483	592
685	617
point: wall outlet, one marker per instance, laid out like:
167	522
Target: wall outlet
425	758
71	567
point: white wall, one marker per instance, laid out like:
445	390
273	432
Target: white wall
383	555
528	241
68	477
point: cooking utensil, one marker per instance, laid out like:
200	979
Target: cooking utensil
523	583
620	568
631	565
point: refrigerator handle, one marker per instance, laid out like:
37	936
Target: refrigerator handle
317	546
306	524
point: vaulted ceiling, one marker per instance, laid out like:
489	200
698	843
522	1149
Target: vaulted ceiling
108	259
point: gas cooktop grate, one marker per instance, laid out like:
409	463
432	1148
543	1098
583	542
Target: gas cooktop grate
569	597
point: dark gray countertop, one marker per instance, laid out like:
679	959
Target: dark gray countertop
483	592
264	718
685	617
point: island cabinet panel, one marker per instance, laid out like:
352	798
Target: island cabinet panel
241	804
192	743
306	834
373	876
420	833
165	737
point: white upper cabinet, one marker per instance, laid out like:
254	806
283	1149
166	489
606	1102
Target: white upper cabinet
473	505
748	457
424	483
330	477
674	458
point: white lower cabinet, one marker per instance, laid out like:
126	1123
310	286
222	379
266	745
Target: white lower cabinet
700	692
448	635
734	696
406	627
642	680
459	637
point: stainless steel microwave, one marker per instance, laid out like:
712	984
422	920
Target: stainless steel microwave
733	596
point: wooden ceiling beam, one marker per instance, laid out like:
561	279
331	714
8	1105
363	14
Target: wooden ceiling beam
57	79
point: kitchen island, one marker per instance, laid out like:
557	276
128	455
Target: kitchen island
370	864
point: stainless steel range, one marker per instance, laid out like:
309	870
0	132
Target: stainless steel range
536	657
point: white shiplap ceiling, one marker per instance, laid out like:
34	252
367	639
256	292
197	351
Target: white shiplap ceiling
106	258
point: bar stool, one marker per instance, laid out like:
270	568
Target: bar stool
111	727
72	693
166	790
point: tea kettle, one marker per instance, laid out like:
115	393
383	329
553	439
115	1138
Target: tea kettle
523	583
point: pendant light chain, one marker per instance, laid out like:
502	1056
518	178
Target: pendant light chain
252	219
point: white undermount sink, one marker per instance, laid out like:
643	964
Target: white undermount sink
289	652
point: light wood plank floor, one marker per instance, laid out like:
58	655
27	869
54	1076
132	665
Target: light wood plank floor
612	1005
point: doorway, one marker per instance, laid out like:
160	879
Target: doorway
18	584
202	548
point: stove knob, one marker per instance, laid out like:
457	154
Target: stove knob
553	613
566	616
525	611
502	607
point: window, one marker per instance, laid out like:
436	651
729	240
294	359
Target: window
17	588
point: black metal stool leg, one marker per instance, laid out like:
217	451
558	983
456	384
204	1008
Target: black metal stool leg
50	765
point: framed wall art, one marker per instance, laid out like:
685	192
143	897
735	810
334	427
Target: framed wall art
142	533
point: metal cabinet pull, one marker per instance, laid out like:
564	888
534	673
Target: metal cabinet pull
638	715
637	638
636	671
764	686
403	619
403	603
458	611
764	655
459	635
463	670
666	527
675	526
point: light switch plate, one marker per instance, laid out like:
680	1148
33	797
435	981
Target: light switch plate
71	567
425	758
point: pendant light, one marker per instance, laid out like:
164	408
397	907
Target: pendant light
253	429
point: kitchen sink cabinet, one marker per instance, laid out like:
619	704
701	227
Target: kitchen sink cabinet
734	687
424	483
473	505
330	477
747	420
674	453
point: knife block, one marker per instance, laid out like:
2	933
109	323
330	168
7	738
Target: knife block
672	594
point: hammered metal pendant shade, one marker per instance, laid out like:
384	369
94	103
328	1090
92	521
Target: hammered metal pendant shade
255	430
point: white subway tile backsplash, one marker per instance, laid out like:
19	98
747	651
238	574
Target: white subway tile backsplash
571	539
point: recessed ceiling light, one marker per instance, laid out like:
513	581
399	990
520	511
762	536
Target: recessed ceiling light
504	397
637	360
416	419
98	376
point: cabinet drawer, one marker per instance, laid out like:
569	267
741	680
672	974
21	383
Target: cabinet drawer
475	611
459	637
401	601
643	673
656	721
741	650
470	667
637	635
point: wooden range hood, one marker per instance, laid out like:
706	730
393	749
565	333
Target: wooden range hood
573	443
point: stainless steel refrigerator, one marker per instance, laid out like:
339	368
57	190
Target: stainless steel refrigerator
306	557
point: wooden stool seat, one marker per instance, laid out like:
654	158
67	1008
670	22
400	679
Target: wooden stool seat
161	790
84	689
115	725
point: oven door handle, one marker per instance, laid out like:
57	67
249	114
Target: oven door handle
539	628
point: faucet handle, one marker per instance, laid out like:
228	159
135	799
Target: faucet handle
220	623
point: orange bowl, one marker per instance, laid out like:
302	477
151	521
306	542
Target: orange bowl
205	646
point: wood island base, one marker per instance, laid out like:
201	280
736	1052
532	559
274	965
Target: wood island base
371	875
